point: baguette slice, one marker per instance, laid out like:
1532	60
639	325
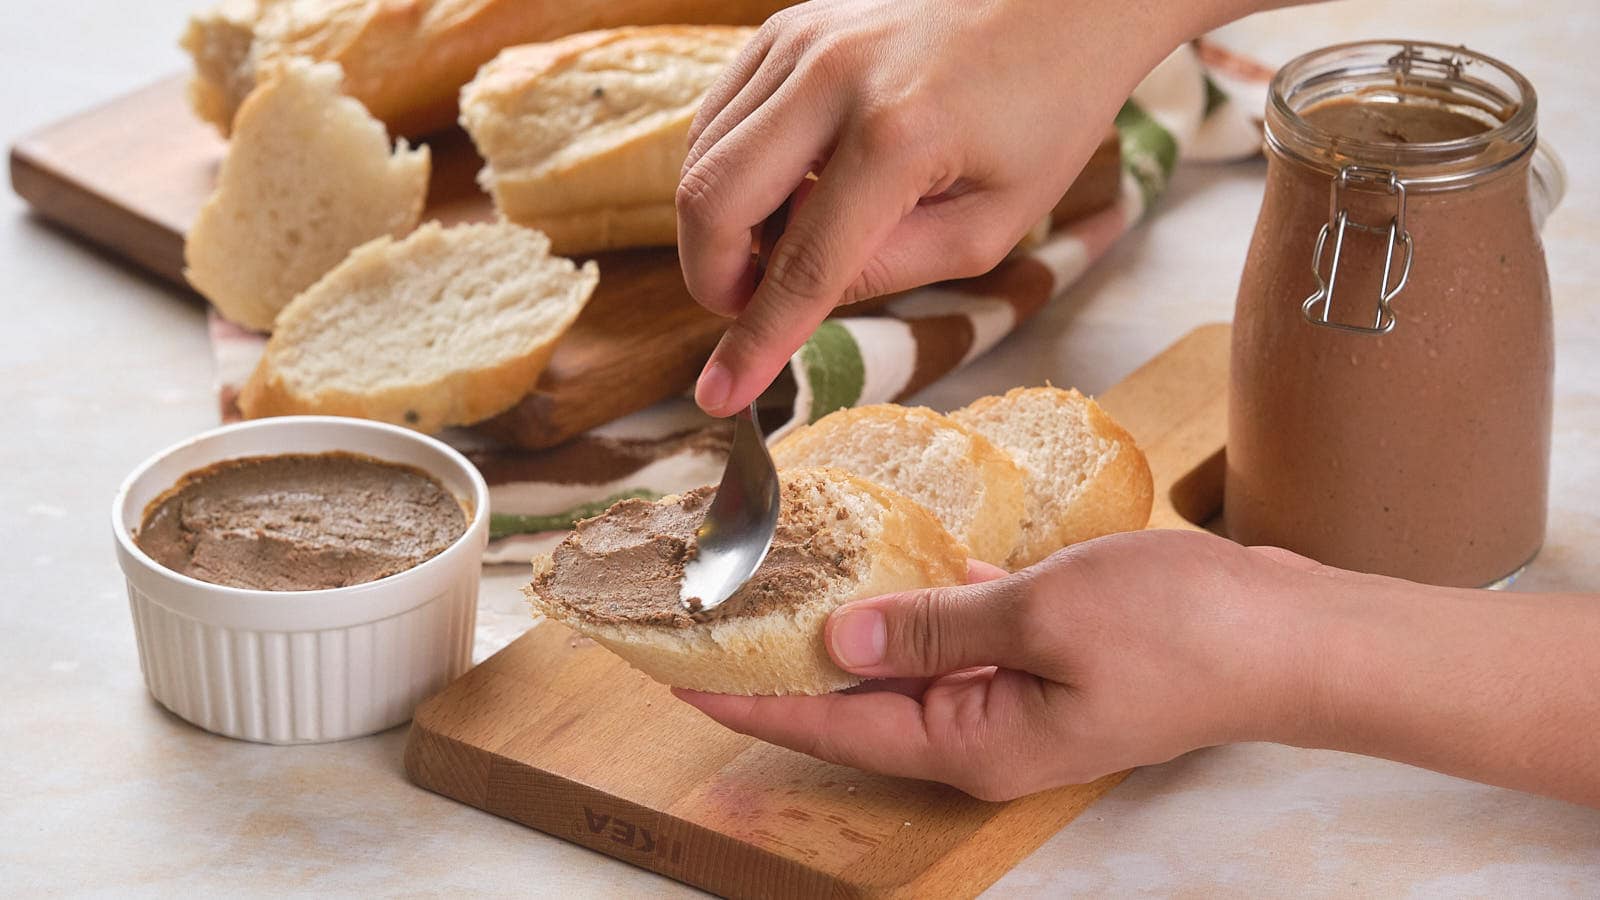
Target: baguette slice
309	175
406	60
447	327
895	543
585	137
971	486
1084	475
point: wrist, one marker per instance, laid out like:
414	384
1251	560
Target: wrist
1353	656
1293	624
1148	32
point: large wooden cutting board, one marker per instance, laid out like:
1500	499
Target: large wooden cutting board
131	175
558	734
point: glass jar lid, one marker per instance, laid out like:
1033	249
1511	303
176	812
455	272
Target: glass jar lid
1426	76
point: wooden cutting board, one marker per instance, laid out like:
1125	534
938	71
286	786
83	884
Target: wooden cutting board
132	174
559	734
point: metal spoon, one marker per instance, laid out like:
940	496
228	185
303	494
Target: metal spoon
738	528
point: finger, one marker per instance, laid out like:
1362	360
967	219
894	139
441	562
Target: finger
932	632
993	731
982	731
856	203
906	687
749	60
773	70
879	732
960	238
979	571
738	183
1288	558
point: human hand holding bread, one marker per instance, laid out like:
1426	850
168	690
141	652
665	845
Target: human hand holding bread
1093	661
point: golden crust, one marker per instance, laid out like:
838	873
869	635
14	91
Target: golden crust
1114	495
457	396
459	399
593	230
612	183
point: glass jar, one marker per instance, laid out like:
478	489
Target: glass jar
1392	360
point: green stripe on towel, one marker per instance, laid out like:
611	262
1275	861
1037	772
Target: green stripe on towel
1149	151
503	525
833	368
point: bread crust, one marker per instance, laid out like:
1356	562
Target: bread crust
612	185
406	61
782	652
1120	494
459	397
1115	495
594	230
995	525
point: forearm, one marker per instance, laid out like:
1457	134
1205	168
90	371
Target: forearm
1496	687
1143	32
1200	16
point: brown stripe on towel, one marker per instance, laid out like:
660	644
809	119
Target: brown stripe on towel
590	459
943	341
1218	58
1024	282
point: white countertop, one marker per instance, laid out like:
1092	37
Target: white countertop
101	790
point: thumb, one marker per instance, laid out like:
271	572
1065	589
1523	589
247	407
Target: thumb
921	634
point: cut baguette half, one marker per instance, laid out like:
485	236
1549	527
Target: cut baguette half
446	327
308	177
971	486
1084	475
585	137
896	544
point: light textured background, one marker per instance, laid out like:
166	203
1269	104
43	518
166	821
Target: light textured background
101	790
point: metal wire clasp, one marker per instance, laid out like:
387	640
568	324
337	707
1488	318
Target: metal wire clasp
1319	305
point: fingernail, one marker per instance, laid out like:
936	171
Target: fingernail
860	637
715	384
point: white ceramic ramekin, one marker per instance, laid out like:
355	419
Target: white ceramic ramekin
290	667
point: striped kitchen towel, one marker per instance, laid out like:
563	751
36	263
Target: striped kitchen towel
1202	103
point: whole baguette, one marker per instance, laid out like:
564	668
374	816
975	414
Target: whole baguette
406	60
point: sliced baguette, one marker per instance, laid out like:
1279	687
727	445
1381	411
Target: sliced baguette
1084	475
447	327
406	60
899	546
308	176
584	137
972	487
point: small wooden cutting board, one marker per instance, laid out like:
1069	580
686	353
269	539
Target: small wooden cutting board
131	175
559	734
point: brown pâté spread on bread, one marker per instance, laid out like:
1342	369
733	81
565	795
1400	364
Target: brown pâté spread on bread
300	522
626	565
